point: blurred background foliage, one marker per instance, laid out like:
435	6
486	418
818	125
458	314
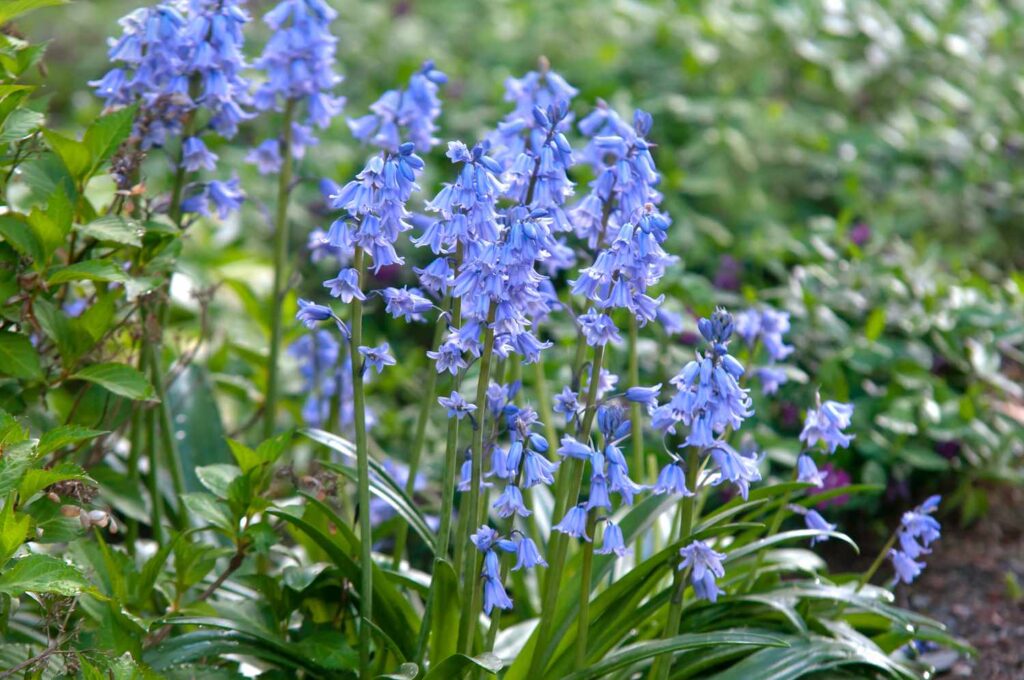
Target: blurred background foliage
856	164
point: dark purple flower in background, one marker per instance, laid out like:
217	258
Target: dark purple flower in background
834	478
729	274
860	233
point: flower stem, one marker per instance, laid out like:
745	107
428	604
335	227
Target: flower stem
284	182
773	528
540	386
470	592
662	665
559	542
430	392
363	469
636	418
586	573
867	575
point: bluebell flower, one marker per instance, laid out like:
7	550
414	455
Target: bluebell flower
766	325
195	155
907	568
377	357
527	555
574	449
484	537
621	483
598	328
598	491
457	405
298	61
510	502
808	472
771	378
648	396
311	313
499	463
345	286
612	542
465	482
495	595
706	566
671	479
326	373
815	521
574	523
406	303
226	197
567	403
537	469
404	115
612	421
449	355
734	467
826	424
266	157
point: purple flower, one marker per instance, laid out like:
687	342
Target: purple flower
401	115
345	286
826	424
195	155
808	472
377	357
612	542
574	523
266	157
310	313
406	303
510	502
648	396
671	479
527	555
706	565
457	405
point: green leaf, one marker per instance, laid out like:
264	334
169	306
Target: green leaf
41	574
73	153
120	379
64	435
212	510
21	124
57	326
444	628
631	654
217	478
114	229
105	135
199	430
16	231
407	671
381	484
13	530
15	8
875	325
18	358
457	665
36	480
264	454
88	270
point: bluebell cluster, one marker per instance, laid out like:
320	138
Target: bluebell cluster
917	531
177	61
326	376
408	114
765	327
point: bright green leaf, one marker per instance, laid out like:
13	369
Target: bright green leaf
120	379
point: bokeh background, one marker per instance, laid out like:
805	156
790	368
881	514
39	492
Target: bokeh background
857	164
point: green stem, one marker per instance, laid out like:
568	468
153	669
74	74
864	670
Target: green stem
420	438
662	665
284	181
866	576
363	482
470	591
773	528
167	442
156	498
636	418
586	574
540	386
559	542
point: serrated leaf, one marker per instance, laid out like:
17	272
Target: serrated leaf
73	153
217	478
18	358
114	229
120	379
41	574
20	124
88	270
106	134
209	508
21	236
36	480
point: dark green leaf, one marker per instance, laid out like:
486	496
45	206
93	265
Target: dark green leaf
119	379
18	358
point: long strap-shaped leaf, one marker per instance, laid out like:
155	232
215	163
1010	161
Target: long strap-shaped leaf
627	656
382	484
